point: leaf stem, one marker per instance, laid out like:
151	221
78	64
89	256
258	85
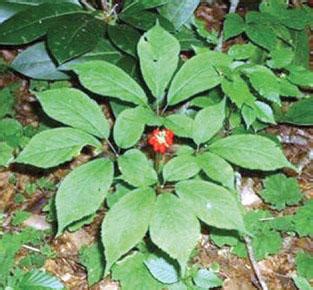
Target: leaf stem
158	109
112	148
164	109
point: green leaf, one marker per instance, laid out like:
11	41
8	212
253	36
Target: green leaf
238	91
36	279
6	154
132	274
126	223
248	115
19	217
136	169
179	12
212	204
6	102
173	221
281	191
162	269
188	39
74	227
121	189
128	128
300	113
217	169
287	89
304	262
265	240
7	10
74	35
55	146
254	221
82	192
149	117
106	79
20	29
281	57
104	50
207	279
297	18
180	124
72	107
233	25
131	66
283	223
302	283
208	122
300	40
264	112
11	132
242	51
266	243
303	219
145	20
180	168
125	38
36	63
260	32
195	76
219	60
251	151
92	259
265	82
138	5
158	52
300	76
222	237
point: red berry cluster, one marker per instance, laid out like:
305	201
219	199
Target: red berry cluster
161	140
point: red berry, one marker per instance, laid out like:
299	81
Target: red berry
161	140
310	3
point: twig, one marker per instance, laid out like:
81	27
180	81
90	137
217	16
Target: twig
31	248
254	263
248	242
232	9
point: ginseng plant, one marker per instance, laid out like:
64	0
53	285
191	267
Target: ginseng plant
167	165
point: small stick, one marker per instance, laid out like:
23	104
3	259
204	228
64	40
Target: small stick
254	263
248	242
31	248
